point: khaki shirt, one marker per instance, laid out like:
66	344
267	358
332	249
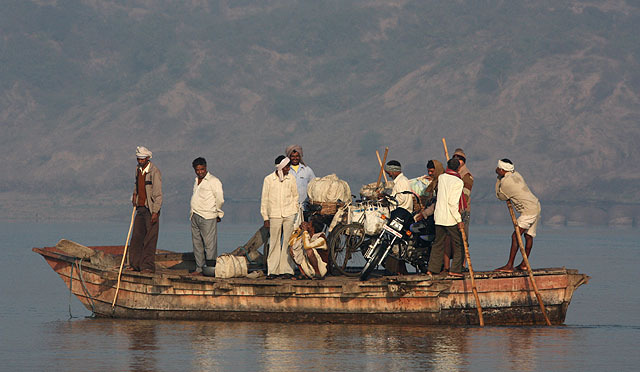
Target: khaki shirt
512	187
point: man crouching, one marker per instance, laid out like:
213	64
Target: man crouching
308	249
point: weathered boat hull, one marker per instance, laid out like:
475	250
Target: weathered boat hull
506	298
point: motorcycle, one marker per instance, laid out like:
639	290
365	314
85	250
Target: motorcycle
402	239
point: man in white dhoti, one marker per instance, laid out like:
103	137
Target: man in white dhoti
511	186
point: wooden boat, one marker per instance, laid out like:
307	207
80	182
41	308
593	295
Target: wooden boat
171	293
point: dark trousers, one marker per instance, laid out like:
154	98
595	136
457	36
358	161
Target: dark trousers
437	250
142	255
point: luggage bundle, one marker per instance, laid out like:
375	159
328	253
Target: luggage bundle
370	215
230	266
372	190
329	192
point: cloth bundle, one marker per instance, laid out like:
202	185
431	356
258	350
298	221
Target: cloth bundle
328	189
229	266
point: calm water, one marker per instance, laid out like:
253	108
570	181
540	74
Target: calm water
602	329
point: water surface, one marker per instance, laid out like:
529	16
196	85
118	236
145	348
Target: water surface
601	333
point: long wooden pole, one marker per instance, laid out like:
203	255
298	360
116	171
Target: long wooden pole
467	254
124	255
446	152
525	259
384	174
386	151
472	275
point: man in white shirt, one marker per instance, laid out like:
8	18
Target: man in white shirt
302	173
206	203
278	207
448	220
400	184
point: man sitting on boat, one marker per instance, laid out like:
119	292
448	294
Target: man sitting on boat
511	186
308	249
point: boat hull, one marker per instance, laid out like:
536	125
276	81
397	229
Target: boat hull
506	298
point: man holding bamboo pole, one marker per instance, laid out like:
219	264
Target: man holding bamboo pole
147	198
449	203
511	186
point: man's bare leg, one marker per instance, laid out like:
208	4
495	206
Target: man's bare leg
512	255
527	248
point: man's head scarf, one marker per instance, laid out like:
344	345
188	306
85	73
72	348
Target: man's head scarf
292	148
439	169
463	170
283	163
143	152
393	166
506	166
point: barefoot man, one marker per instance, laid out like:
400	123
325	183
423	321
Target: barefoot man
511	186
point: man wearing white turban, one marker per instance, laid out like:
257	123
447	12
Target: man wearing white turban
278	207
147	198
511	186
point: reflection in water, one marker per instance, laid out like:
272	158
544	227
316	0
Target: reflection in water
218	346
142	346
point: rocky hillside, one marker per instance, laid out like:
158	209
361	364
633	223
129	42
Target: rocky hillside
553	85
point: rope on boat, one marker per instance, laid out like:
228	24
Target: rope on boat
84	287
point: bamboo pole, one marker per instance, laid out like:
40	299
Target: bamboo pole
386	151
472	275
446	152
124	255
467	254
381	166
525	259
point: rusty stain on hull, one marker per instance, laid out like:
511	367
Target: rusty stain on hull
170	293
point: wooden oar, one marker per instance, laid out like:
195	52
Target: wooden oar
124	255
446	152
386	151
381	166
473	280
525	259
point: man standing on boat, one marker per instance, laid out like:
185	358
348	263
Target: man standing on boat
434	170
467	178
206	211
511	186
449	203
302	173
278	207
400	184
147	198
465	214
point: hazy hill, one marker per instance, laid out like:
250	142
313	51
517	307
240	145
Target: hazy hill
553	85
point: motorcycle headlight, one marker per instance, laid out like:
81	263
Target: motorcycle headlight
396	225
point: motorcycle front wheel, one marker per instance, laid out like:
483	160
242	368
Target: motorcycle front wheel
372	263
